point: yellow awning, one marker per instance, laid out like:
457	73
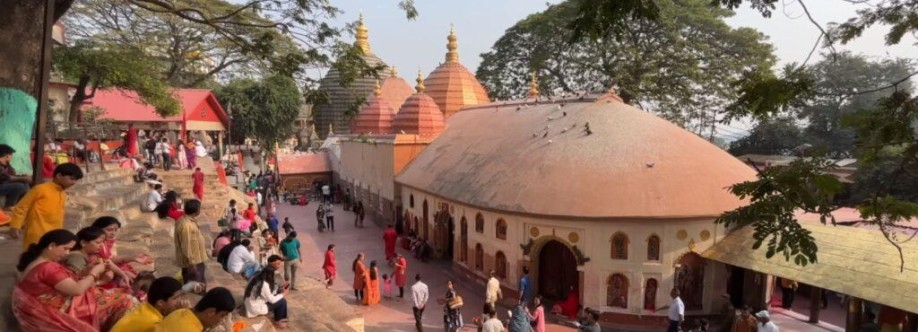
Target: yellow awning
854	261
204	125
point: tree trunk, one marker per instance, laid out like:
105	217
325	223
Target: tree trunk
76	102
20	57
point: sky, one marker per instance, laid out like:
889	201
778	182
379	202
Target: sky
408	45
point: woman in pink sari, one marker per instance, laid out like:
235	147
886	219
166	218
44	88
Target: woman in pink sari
49	297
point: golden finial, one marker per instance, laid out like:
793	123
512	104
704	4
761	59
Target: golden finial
331	130
362	41
534	85
394	72
420	81
452	45
378	90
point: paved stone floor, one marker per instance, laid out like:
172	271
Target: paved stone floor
389	314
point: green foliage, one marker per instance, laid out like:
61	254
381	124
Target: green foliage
774	136
264	110
899	15
762	94
680	66
600	18
775	198
111	66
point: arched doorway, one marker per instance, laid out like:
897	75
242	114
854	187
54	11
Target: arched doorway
464	241
557	270
690	280
425	220
444	233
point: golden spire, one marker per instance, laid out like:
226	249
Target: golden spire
331	130
420	81
534	85
378	90
362	41
394	72
452	45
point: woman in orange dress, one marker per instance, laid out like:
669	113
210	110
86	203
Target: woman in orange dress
50	297
360	273
371	285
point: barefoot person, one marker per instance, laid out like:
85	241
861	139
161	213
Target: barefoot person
198	186
329	266
360	272
389	238
401	274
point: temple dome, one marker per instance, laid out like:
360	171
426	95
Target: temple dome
334	112
419	115
452	85
394	90
592	157
375	117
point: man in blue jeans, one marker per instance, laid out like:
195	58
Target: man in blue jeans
12	186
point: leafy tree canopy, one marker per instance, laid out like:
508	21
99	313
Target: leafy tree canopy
264	109
883	132
100	66
776	136
679	66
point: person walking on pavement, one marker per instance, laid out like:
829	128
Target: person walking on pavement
330	217
326	193
389	238
537	316
329	266
290	248
492	292
360	272
419	295
400	274
525	286
676	311
452	303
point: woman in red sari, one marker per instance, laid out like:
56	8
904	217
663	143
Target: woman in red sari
84	256
111	226
49	297
371	285
401	273
570	306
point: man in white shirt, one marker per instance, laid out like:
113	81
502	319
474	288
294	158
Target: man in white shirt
765	323
493	293
326	193
492	324
420	295
676	311
242	261
153	199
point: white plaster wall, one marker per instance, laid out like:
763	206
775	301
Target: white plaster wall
369	166
594	240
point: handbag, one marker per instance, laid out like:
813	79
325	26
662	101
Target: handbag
455	302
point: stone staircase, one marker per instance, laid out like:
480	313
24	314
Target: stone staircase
113	192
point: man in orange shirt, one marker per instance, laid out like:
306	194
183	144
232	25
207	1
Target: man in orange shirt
249	213
745	322
42	208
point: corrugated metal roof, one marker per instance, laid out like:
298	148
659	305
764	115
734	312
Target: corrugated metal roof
853	261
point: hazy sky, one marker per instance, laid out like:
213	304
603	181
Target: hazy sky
479	23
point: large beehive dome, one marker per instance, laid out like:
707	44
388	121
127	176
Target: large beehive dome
419	115
589	158
452	85
333	112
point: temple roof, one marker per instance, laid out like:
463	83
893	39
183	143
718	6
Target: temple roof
342	100
452	85
395	90
419	115
375	117
590	157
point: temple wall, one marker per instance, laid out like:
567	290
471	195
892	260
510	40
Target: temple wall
593	240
